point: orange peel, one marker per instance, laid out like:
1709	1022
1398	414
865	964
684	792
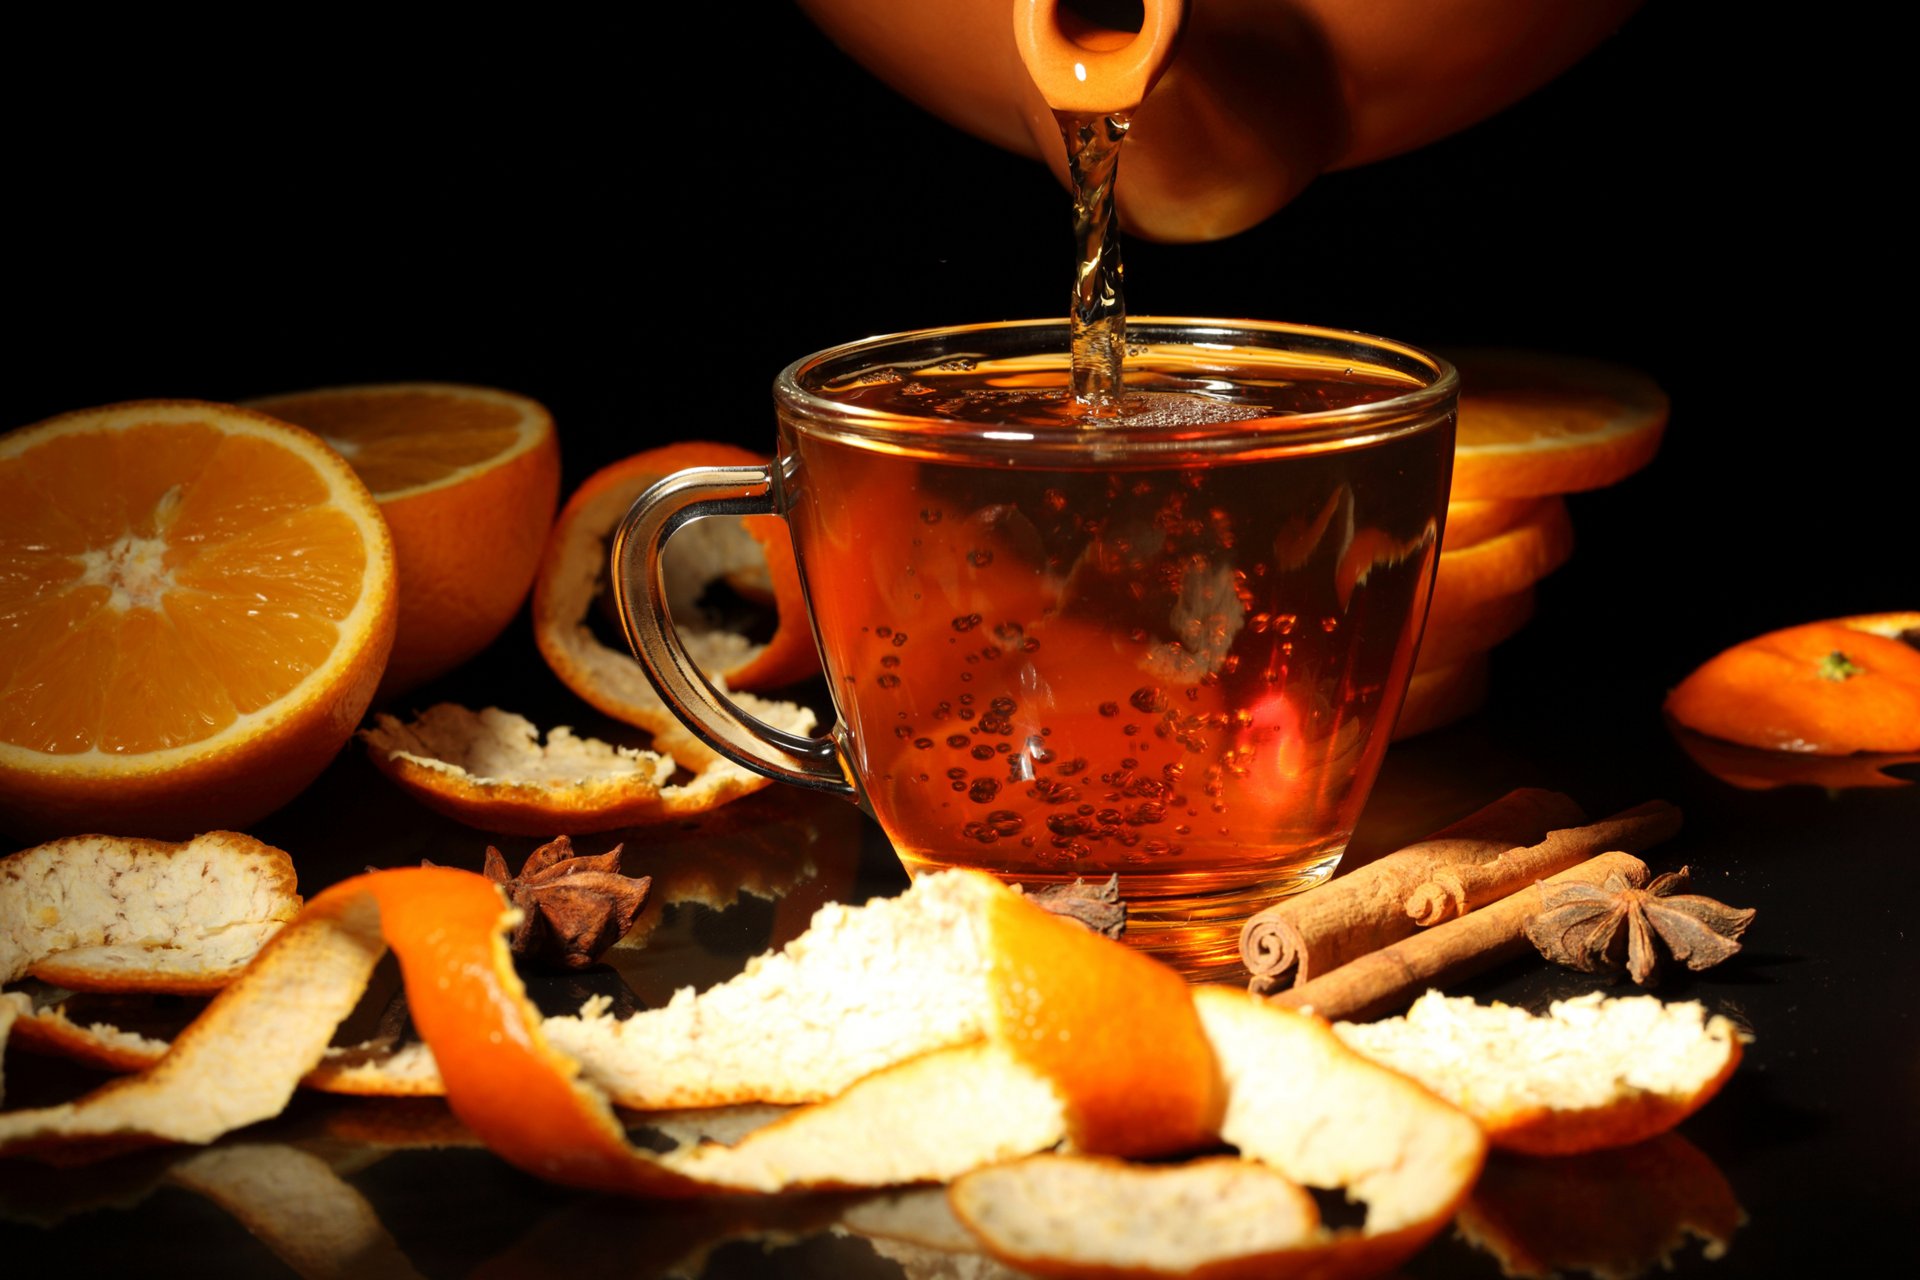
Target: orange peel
753	552
108	913
1079	1040
1589	1074
490	769
1342	1122
1824	688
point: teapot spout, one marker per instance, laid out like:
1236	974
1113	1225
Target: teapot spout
1082	68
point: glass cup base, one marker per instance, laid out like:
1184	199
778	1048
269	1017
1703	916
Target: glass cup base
1189	921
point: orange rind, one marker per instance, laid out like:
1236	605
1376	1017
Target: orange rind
468	478
199	601
1831	688
1077	1039
1344	1123
491	769
108	913
752	554
1591	1073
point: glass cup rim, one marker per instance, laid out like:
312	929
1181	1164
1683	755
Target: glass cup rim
1354	425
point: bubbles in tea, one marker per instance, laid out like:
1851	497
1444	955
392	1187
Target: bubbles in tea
1167	671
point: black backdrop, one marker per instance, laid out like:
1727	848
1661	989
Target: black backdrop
562	212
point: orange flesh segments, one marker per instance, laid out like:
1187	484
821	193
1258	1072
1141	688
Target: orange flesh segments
193	598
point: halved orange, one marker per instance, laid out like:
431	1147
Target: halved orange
1533	424
468	479
1825	688
196	602
751	553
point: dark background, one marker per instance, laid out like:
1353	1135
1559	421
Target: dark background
640	227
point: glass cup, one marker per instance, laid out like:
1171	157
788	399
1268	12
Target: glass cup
1168	643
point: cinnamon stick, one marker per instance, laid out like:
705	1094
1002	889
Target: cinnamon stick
1456	890
1389	979
1310	933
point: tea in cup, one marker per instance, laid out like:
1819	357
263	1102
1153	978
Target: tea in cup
1165	642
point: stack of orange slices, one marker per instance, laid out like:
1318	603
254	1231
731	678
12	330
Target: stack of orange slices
1532	428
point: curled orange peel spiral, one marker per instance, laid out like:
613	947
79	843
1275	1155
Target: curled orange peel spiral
529	1103
1083	1045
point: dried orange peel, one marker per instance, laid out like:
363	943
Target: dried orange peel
1589	1074
1084	1043
491	770
752	553
1825	688
107	913
1340	1121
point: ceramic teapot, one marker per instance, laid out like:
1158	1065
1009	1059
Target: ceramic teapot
1256	97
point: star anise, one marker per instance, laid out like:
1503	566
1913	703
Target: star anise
1606	927
1098	907
572	908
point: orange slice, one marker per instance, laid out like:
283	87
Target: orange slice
1473	629
1501	565
1441	695
468	479
1825	688
196	603
1533	424
1475	520
751	553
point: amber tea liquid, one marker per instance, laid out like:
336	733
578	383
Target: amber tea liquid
1168	667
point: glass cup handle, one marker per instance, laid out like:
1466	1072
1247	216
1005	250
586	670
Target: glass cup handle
640	594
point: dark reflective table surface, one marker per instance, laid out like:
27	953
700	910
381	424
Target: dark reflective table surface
1807	1153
